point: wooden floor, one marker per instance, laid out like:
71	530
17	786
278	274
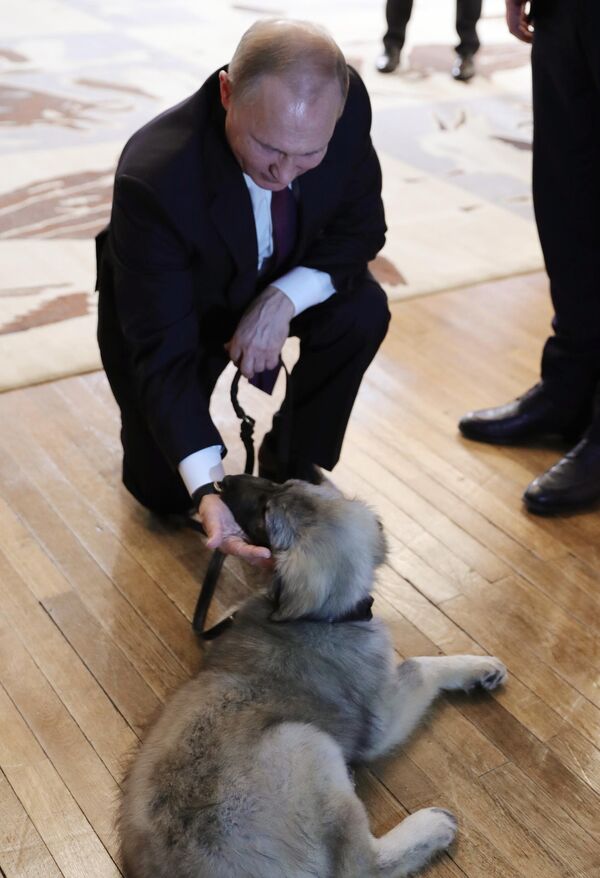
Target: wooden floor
96	599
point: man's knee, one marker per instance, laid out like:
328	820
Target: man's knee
368	312
357	318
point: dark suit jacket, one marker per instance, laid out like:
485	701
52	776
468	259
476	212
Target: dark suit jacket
178	262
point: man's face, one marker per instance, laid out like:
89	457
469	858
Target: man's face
274	136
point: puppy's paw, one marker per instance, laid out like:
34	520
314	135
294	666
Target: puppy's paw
495	676
488	674
434	828
467	671
418	839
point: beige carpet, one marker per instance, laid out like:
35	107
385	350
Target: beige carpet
80	76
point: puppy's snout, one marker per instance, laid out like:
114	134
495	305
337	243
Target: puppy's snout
247	497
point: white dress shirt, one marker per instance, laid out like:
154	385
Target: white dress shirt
304	286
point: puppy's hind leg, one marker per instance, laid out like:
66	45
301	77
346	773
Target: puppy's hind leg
408	847
420	680
403	851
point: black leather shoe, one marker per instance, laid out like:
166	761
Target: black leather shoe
571	484
463	68
270	467
389	61
530	417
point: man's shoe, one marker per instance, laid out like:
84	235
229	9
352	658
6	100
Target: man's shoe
463	68
270	467
389	60
530	417
571	484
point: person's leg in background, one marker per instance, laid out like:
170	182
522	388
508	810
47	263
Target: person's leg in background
468	13
566	193
338	340
566	189
397	14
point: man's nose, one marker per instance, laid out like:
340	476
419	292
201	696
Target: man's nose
283	170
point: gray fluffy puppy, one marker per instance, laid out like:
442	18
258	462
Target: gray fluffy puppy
244	775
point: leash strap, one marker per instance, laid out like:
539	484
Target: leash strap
207	590
246	424
215	564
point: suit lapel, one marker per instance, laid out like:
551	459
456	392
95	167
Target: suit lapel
231	212
309	189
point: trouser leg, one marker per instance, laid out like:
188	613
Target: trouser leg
397	14
468	13
338	340
566	191
147	475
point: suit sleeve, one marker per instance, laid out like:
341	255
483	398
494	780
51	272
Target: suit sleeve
354	231
154	297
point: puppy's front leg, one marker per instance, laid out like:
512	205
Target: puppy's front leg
419	682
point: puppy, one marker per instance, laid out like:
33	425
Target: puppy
244	775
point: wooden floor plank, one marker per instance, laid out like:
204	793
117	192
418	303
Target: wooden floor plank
69	837
79	766
103	726
23	854
155	661
544	819
539	763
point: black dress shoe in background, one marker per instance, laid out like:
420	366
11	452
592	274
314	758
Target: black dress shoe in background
270	467
530	417
570	485
389	61
463	68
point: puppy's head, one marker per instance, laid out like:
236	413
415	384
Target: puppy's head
326	547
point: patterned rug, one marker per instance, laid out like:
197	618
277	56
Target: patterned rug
79	76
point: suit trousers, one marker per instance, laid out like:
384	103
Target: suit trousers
566	192
338	340
468	13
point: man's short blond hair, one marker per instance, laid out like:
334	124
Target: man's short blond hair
301	53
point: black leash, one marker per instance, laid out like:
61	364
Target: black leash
215	564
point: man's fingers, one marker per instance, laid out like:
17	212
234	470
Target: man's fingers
258	555
247	366
214	541
517	20
212	527
259	364
272	361
234	351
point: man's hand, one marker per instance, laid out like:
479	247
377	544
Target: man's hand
517	21
259	338
224	533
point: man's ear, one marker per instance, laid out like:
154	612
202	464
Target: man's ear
225	89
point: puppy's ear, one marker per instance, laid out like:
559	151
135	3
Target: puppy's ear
301	581
280	524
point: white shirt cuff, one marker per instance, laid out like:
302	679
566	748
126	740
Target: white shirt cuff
201	467
305	287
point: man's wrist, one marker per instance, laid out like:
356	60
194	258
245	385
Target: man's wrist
284	301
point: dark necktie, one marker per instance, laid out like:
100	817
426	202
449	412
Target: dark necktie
284	216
